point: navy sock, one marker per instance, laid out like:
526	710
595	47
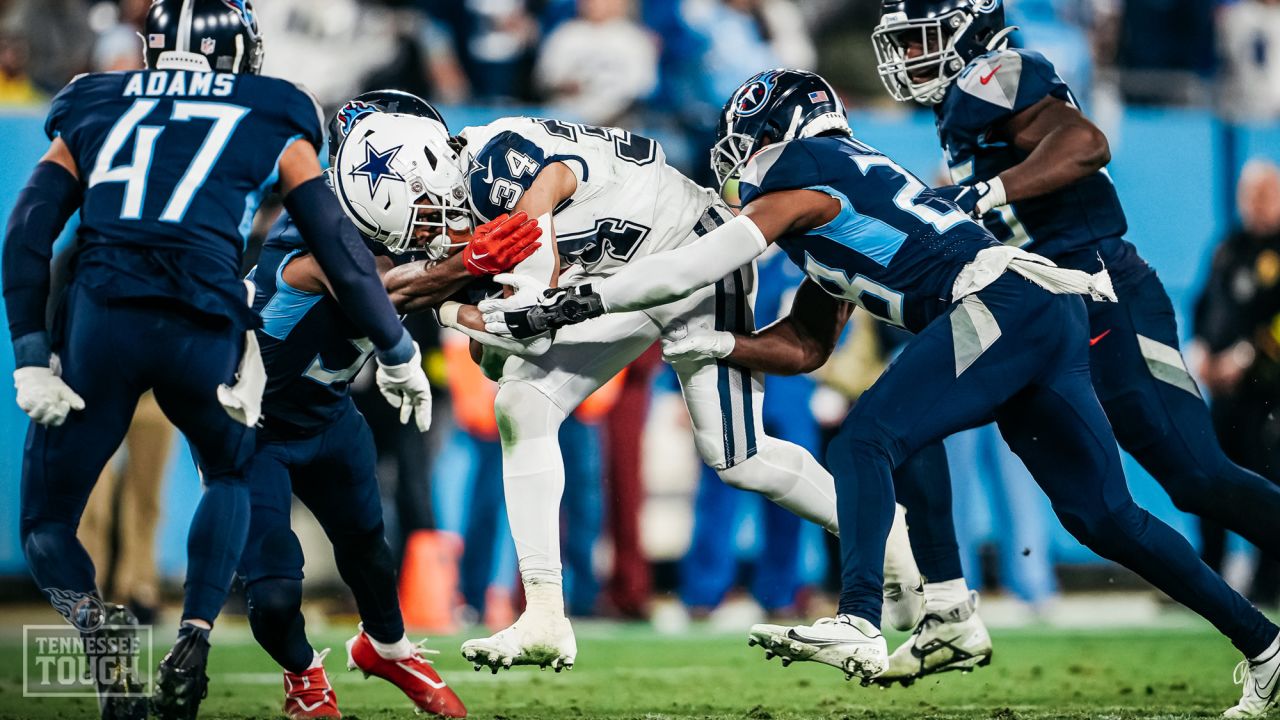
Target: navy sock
275	616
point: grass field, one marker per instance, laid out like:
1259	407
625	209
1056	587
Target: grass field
631	672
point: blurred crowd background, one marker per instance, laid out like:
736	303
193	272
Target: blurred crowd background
1188	91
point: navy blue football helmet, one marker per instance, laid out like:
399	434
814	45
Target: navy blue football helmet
392	101
923	45
772	107
203	35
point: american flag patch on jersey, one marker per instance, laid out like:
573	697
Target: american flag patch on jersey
818	96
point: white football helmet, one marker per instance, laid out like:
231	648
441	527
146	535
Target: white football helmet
397	173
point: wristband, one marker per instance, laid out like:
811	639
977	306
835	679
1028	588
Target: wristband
448	313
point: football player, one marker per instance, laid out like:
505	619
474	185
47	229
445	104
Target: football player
608	197
1032	167
314	444
166	166
999	333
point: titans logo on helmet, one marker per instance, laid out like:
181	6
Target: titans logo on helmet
352	111
376	166
752	96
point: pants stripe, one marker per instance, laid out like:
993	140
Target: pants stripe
723	370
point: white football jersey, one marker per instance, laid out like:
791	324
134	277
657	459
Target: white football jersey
629	203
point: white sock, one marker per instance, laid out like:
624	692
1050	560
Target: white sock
788	475
532	477
544	597
317	659
899	564
945	595
397	650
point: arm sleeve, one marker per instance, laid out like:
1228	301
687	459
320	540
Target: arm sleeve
49	199
675	274
348	264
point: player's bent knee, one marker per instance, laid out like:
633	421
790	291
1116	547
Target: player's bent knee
273	602
751	474
1110	532
46	541
859	442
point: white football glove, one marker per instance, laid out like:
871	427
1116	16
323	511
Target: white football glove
528	291
243	399
43	396
685	344
405	386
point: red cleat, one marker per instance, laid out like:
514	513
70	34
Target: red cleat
308	695
413	674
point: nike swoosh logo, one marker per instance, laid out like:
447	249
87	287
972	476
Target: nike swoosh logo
479	256
489	178
987	78
437	684
1095	340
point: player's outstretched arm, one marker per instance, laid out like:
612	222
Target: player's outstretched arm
1063	146
349	267
669	276
51	196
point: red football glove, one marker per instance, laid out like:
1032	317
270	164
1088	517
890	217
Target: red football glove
501	244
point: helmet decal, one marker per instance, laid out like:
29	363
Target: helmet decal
752	97
352	111
985	6
376	166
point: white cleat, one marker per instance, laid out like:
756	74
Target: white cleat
848	643
543	640
1260	678
954	639
903	585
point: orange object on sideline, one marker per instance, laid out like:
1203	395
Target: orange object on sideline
429	581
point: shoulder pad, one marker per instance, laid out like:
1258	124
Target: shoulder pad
61	107
501	171
301	109
784	166
1010	79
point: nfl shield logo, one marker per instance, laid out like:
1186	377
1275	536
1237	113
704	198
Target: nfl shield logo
207	46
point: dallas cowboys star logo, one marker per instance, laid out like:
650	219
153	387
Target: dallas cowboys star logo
376	166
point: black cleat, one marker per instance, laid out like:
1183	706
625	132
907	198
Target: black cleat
112	649
181	681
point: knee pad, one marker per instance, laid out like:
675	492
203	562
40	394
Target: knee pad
524	413
273	602
858	441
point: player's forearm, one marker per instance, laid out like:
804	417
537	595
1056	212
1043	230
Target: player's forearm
1065	155
417	286
669	276
43	207
349	267
780	349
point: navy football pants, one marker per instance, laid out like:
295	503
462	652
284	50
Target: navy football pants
333	474
1158	417
1017	354
111	354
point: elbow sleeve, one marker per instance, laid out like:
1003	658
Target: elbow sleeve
347	263
49	199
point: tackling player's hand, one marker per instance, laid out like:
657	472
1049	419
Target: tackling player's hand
683	344
43	396
975	200
555	308
405	386
501	244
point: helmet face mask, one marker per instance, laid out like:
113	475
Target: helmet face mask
728	156
917	58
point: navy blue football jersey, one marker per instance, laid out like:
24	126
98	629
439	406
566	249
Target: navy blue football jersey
174	165
895	248
989	91
310	347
